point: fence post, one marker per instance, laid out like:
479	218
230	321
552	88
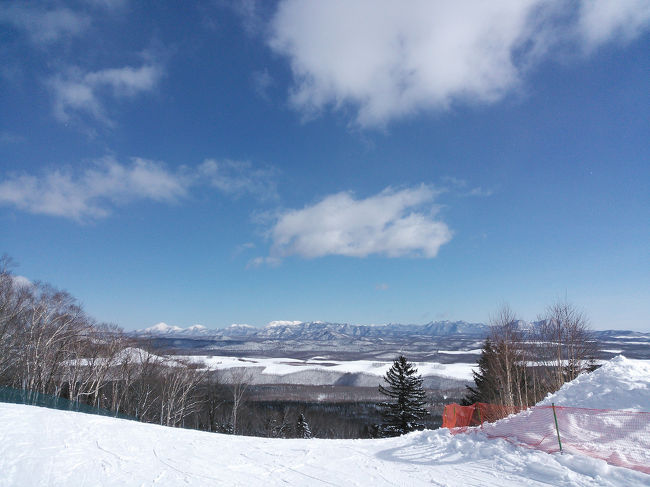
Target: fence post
559	441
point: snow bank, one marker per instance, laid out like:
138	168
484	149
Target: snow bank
621	383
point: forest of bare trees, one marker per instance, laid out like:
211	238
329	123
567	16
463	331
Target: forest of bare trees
50	346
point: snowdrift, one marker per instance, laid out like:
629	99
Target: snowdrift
621	383
46	447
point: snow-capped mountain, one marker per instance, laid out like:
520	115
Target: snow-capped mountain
237	330
161	329
318	330
421	342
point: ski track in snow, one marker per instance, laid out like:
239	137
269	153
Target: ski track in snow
46	447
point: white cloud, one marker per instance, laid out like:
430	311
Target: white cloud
388	59
604	20
391	223
78	92
94	191
237	178
44	26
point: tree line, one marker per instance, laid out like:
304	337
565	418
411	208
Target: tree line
519	366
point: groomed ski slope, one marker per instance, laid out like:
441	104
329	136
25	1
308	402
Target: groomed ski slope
50	448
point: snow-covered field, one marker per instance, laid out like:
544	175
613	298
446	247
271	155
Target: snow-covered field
46	447
287	366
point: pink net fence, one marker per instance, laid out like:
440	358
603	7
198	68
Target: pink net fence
621	438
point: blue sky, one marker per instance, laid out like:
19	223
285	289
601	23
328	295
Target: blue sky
351	162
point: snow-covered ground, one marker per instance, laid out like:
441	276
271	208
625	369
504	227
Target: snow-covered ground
620	383
286	366
46	447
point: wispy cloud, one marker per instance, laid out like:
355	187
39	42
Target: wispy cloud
250	14
108	4
11	138
602	21
480	192
95	191
386	61
44	26
82	92
393	223
263	261
262	82
461	187
239	177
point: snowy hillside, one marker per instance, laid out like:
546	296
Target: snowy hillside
46	447
288	370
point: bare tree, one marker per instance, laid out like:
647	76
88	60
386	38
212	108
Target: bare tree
179	381
14	298
238	378
507	365
564	345
53	322
144	392
213	395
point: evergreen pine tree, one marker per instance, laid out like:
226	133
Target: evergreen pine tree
404	410
302	427
485	387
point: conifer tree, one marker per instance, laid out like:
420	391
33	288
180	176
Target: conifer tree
485	387
302	427
403	411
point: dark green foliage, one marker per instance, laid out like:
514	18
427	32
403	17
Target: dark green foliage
403	411
485	385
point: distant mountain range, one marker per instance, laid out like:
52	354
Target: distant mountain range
355	342
318	330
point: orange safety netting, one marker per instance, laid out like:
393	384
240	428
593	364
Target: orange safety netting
455	415
621	438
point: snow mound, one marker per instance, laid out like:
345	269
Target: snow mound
621	383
